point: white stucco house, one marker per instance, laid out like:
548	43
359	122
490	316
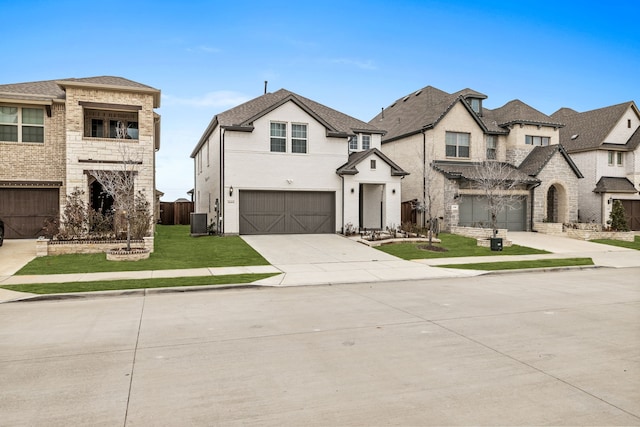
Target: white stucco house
605	144
282	163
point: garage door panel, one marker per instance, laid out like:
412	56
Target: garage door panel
474	212
632	211
25	210
286	212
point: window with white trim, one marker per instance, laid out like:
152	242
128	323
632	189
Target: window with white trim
614	158
353	143
610	158
373	163
21	124
366	142
619	158
278	137
457	144
298	138
537	140
492	145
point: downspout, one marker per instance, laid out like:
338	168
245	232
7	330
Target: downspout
532	191
342	227
424	177
222	199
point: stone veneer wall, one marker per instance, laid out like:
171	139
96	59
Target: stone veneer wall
478	233
45	247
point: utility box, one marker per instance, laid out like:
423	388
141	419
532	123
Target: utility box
496	243
199	224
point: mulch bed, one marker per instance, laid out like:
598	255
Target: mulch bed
432	248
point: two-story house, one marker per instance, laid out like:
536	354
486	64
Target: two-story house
282	163
442	140
54	133
605	144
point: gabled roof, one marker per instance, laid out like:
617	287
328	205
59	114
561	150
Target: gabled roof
350	168
538	158
49	90
587	131
517	112
610	184
470	171
241	118
424	108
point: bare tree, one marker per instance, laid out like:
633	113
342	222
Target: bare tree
498	182
430	200
120	185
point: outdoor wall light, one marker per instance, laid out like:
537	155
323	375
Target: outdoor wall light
393	191
231	191
609	200
352	191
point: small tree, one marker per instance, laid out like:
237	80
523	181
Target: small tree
497	181
120	185
618	218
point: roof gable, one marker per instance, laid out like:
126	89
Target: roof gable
588	130
517	112
351	167
538	158
470	171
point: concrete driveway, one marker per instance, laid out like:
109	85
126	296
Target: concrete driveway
313	259
15	254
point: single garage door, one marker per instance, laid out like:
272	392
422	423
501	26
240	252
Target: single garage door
632	211
25	210
287	212
474	213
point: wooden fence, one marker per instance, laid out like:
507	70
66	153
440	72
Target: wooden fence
175	213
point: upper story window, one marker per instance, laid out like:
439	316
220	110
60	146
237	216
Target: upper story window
364	142
373	163
299	137
615	158
21	124
457	144
353	143
492	144
110	124
476	104
537	140
279	137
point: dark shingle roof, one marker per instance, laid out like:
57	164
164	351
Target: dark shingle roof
424	108
470	171
517	111
537	159
54	89
587	131
609	184
242	117
350	168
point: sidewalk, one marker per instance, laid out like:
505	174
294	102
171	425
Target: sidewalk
330	272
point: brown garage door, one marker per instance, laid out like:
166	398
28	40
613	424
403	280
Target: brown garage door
25	210
287	212
632	210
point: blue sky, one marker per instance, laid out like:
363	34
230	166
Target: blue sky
353	56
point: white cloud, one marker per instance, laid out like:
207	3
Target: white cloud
365	65
218	99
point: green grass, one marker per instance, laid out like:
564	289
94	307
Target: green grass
457	246
174	249
111	285
631	245
516	265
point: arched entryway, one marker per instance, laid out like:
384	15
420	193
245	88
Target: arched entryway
556	204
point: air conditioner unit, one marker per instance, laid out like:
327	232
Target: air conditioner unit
199	224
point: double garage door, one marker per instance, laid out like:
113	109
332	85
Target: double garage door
474	212
287	212
632	211
25	210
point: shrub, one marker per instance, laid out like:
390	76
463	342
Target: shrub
618	217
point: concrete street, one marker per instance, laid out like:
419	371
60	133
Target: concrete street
538	348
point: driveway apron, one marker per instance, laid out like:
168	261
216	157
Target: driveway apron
328	258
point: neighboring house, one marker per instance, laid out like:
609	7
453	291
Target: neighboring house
53	133
441	138
282	163
605	144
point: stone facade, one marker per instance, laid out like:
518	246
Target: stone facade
45	247
556	173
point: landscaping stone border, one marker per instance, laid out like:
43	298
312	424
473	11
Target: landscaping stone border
46	247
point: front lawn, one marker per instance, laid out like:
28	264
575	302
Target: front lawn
517	265
631	245
112	285
174	249
457	246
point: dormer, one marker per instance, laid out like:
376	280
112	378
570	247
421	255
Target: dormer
474	99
